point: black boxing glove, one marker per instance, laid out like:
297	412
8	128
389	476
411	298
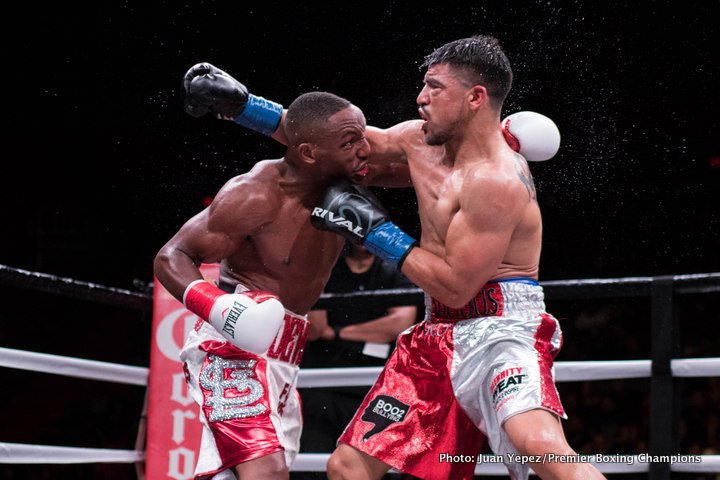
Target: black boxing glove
207	89
355	213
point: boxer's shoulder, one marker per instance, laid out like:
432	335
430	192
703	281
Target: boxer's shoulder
408	133
256	191
263	176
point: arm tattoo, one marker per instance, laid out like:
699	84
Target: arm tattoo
523	171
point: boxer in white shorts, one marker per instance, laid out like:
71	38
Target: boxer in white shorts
242	360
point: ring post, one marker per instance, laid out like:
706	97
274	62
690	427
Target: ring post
664	346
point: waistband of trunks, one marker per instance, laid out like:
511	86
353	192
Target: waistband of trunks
493	300
289	343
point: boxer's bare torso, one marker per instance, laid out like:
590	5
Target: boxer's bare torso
478	212
278	250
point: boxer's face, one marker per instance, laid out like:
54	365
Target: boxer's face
441	103
343	149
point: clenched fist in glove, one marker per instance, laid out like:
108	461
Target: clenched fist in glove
354	212
207	89
249	320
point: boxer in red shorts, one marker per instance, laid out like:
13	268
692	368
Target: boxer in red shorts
483	356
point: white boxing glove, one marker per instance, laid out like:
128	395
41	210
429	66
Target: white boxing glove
249	320
532	135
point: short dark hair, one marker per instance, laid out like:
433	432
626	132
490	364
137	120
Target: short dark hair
482	61
308	111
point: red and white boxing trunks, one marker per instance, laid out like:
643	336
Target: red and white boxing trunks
250	406
456	377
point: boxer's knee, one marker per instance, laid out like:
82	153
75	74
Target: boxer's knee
278	471
338	466
542	442
269	467
348	463
536	432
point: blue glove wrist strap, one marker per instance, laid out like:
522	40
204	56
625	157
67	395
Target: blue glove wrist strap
261	115
389	242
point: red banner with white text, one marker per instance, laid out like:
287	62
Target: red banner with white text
173	427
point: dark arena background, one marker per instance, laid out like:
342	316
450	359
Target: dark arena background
102	166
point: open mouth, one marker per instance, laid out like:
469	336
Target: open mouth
424	118
362	171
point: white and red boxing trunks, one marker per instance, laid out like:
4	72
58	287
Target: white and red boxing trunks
454	378
249	403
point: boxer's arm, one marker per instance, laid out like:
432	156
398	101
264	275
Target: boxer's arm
475	245
384	329
279	134
248	320
208	89
177	263
388	159
320	329
239	209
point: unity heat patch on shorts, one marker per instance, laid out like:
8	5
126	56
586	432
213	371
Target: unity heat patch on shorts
506	385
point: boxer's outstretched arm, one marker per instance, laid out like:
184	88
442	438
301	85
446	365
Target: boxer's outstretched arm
388	160
209	90
475	244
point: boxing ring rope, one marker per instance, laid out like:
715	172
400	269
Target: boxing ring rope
21	453
662	368
326	377
68	287
349	377
73	367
